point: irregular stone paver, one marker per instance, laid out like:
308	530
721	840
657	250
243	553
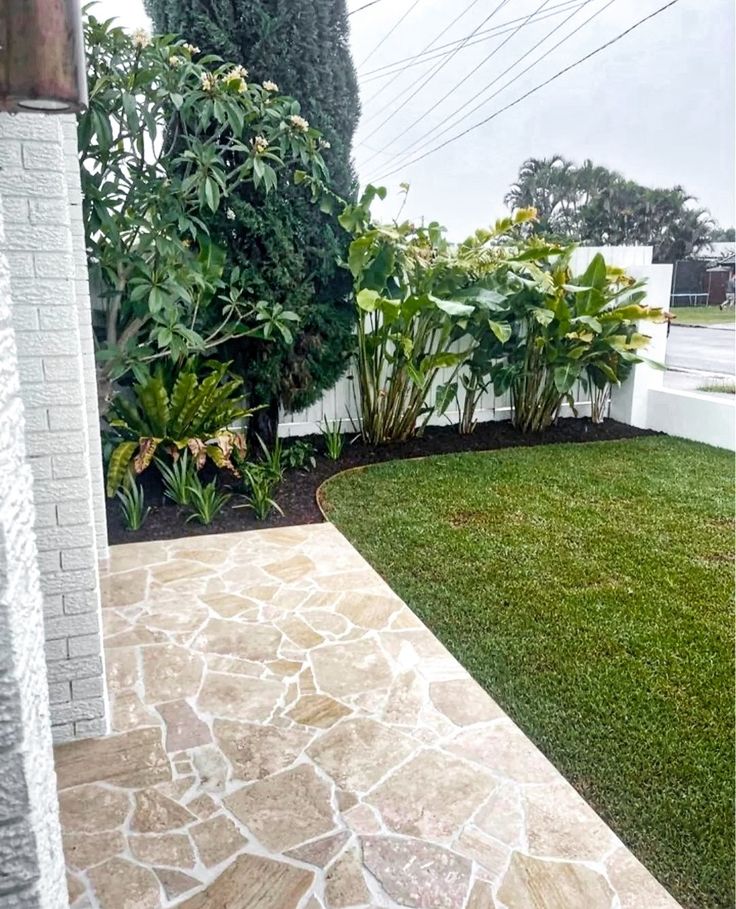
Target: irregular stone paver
320	852
345	669
89	809
164	849
132	759
82	850
431	795
463	701
357	753
217	839
231	638
344	882
533	883
154	813
175	883
120	884
170	672
257	751
254	882
286	809
318	710
184	729
418	874
277	709
239	697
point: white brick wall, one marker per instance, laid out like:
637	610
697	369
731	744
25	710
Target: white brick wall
31	860
39	186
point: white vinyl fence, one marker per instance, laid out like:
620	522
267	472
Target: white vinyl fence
340	404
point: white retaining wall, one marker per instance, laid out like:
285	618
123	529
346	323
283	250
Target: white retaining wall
709	418
45	251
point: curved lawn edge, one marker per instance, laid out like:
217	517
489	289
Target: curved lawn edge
639	717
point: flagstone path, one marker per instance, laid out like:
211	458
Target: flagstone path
286	734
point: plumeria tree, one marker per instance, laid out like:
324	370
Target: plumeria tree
168	136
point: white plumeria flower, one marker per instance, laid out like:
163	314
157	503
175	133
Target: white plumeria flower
209	80
192	48
141	38
270	86
299	123
230	214
260	144
323	143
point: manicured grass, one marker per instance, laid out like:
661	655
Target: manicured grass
704	315
589	588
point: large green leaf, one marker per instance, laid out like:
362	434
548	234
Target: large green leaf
119	466
565	376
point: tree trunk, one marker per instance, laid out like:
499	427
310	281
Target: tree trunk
264	423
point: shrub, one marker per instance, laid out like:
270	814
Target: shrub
167	138
133	505
415	293
333	439
565	329
174	415
207	501
299	455
178	477
260	483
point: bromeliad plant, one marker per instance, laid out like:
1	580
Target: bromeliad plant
167	136
186	413
415	294
206	501
563	329
133	504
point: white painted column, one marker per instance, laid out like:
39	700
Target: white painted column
31	859
630	402
52	327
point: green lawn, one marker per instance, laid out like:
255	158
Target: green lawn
589	588
704	315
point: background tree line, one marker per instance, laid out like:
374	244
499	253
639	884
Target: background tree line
596	206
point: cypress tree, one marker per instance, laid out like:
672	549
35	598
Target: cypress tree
286	247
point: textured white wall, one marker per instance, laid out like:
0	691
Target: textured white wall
31	860
48	291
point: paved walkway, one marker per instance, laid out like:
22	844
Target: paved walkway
288	735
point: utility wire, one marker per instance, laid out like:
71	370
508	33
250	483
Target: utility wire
425	56
459	84
426	48
437	69
537	88
389	32
452	121
365	6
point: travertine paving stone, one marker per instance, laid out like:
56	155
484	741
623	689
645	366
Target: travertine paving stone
288	735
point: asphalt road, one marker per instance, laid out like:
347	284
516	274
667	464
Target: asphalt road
710	350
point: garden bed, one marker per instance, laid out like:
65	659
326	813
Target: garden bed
297	494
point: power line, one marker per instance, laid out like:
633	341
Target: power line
452	121
437	69
365	6
398	66
427	47
389	32
536	88
465	78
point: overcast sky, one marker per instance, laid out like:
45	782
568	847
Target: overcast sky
658	106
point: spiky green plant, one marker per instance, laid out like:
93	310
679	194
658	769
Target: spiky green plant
206	501
133	504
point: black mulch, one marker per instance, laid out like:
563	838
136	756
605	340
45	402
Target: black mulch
297	494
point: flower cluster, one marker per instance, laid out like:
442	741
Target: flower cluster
141	38
230	214
323	143
191	48
236	79
260	145
299	123
209	81
270	86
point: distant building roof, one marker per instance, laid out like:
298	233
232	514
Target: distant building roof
719	251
